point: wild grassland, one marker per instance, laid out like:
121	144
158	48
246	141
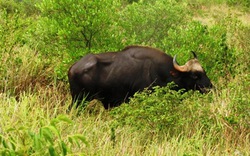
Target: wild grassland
34	94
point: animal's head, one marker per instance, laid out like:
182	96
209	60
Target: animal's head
192	75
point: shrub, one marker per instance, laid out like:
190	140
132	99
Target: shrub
78	25
147	23
160	110
24	7
47	141
244	3
20	65
186	114
10	6
11	30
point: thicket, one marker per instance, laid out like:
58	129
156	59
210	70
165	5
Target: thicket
40	40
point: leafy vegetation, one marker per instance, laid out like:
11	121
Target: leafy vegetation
39	41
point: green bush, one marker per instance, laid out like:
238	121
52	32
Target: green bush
78	25
148	23
160	110
11	30
24	7
210	44
10	6
47	141
244	3
176	113
19	64
81	27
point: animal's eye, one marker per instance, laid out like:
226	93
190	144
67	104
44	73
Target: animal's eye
194	76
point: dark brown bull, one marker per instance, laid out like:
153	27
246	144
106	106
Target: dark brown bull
113	77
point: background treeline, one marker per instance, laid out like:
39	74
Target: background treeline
41	39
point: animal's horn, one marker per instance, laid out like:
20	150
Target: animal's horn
178	67
195	56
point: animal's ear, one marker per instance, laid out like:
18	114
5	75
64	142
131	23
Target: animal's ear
174	73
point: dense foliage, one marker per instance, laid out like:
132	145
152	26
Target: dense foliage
40	39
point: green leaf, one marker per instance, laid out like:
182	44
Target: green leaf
76	138
52	151
65	119
61	118
37	142
46	133
54	130
64	148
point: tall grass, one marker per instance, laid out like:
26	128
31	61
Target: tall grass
37	124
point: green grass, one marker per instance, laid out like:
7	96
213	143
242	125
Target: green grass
37	123
34	96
